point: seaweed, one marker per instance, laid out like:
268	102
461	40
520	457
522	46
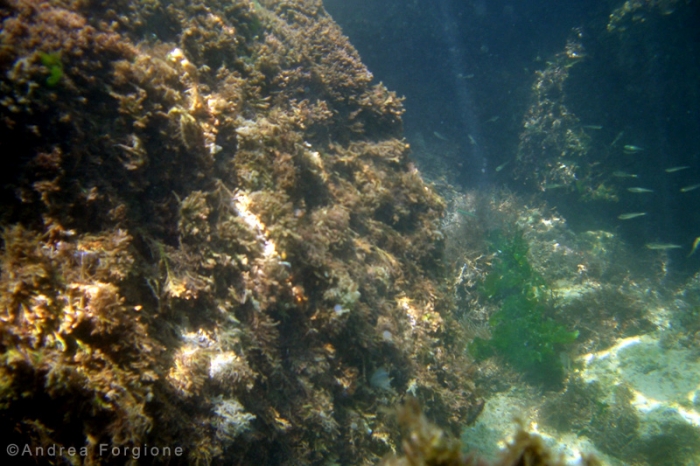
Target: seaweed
512	273
53	62
426	444
522	334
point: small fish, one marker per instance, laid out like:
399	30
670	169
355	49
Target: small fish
493	119
642	190
676	169
617	138
696	243
555	186
565	361
380	380
630	149
631	215
440	136
690	188
471	139
502	166
466	213
662	246
619	174
595	127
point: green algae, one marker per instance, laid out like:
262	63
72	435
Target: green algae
52	61
522	334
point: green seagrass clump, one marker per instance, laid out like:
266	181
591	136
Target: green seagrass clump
521	333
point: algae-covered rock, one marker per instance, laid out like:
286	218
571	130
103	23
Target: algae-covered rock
211	225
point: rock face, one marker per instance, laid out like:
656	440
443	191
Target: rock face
213	237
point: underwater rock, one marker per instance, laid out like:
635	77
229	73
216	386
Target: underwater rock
426	444
652	387
192	190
